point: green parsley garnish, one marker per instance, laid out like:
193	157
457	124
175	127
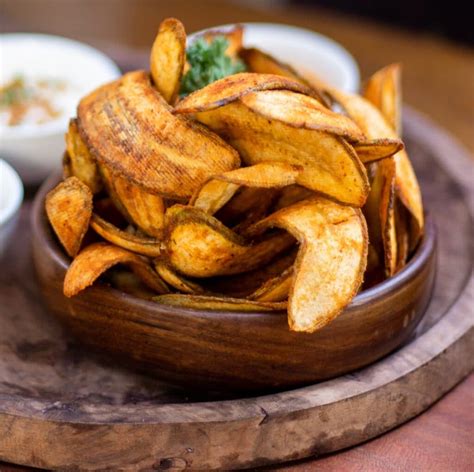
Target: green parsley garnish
208	63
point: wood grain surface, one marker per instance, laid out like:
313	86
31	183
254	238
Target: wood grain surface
56	398
437	80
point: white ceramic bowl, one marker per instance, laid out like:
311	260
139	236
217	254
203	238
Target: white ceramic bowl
306	51
36	150
11	196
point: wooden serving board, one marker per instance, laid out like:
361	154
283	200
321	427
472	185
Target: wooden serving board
63	407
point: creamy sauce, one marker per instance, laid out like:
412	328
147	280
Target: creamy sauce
28	101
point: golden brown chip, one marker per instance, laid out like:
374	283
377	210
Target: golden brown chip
331	261
301	111
199	245
234	36
247	202
383	89
95	259
144	209
375	149
263	63
374	125
66	163
80	163
275	289
176	280
167	59
130	128
203	302
215	193
379	211
243	285
69	209
291	195
231	88
403	234
141	245
329	164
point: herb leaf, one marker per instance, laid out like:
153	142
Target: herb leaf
209	63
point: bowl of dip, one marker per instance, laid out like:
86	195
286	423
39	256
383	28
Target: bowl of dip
42	79
11	196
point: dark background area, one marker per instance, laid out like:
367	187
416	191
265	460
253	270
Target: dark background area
451	19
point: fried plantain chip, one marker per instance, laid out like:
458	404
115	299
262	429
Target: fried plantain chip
80	163
301	111
141	245
275	289
167	59
215	193
243	285
69	209
231	88
263	63
176	280
203	302
383	89
95	259
128	127
403	234
248	202
234	36
375	149
144	209
291	195
379	212
329	164
331	261
198	245
374	125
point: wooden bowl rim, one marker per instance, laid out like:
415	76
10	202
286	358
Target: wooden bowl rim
418	260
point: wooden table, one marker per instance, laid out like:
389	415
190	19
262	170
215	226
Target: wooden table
438	78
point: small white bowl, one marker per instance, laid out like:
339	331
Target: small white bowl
308	52
11	196
35	150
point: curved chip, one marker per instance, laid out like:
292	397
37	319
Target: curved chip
203	302
329	164
95	259
374	125
176	280
198	245
301	111
130	128
373	150
141	245
383	89
231	88
79	161
167	59
215	193
379	211
331	261
69	209
275	289
234	36
263	63
144	209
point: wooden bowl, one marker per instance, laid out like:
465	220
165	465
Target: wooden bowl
228	350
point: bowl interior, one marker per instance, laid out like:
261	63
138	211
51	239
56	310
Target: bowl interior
419	258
